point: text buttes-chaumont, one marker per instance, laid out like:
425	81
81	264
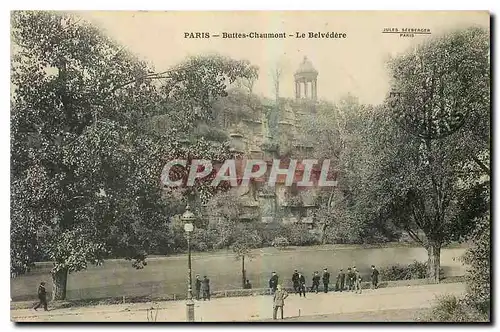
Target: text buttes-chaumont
283	35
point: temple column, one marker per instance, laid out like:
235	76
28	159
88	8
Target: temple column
306	88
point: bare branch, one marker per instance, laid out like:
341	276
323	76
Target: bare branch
414	236
483	167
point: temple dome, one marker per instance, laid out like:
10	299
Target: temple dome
306	67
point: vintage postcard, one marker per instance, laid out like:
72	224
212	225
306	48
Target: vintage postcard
250	166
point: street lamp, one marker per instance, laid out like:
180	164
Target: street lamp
188	218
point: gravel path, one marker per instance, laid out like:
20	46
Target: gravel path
372	305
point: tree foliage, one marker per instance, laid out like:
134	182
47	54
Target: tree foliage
91	128
80	168
422	164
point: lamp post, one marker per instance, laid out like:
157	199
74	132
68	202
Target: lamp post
188	218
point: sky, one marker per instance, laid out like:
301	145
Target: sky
354	65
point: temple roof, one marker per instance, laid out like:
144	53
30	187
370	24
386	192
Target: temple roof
306	67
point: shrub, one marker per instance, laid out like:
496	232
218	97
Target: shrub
203	239
418	270
299	235
280	242
478	274
415	270
394	272
449	308
268	232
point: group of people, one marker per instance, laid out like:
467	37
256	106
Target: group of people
203	287
350	280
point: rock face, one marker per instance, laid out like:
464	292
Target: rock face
273	130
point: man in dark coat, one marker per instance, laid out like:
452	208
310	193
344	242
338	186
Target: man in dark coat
295	281
340	280
315	284
205	288
197	286
42	296
350	279
302	285
273	282
357	282
248	285
374	277
326	279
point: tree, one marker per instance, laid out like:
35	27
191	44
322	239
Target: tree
442	102
188	118
335	219
246	239
276	74
227	208
78	145
238	105
326	133
85	161
338	132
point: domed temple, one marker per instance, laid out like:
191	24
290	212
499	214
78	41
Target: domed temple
306	81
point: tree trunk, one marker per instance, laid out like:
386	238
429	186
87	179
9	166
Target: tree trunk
59	282
323	233
434	262
243	272
325	225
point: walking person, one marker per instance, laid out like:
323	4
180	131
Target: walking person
205	288
326	279
295	281
315	284
273	282
357	282
302	285
374	276
197	287
42	297
279	301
